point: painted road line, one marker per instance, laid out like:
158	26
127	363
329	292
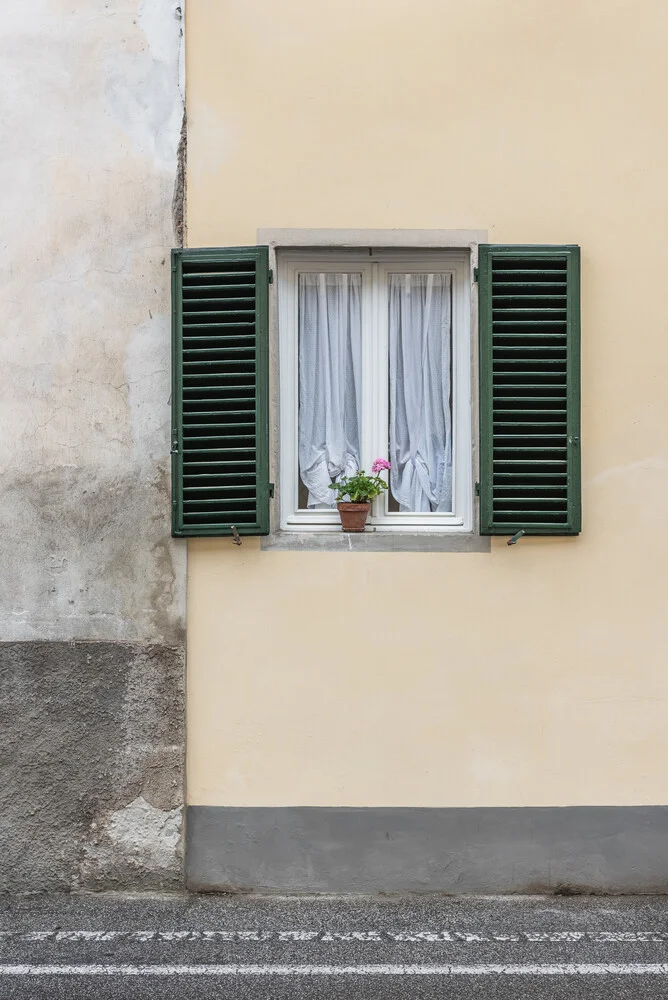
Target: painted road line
562	969
337	937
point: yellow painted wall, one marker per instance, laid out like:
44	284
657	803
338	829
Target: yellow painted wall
533	675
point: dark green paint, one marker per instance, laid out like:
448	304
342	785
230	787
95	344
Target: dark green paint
505	283
259	334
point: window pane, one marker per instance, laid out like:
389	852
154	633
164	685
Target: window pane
420	335
330	354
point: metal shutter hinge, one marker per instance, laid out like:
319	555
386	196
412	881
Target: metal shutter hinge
270	276
477	489
516	537
475	273
271	490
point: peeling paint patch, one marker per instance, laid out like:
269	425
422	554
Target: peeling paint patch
151	835
138	836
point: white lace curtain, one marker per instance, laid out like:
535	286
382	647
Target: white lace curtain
420	388
330	355
420	420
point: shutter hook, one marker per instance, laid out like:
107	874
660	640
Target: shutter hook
236	538
516	537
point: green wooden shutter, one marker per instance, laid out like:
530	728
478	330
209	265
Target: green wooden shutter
220	432
529	308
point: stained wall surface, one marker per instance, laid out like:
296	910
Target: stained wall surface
92	589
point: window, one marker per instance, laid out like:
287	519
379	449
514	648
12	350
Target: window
375	354
375	361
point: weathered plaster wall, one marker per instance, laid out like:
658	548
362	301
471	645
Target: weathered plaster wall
90	204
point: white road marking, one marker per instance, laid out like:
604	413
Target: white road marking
335	937
562	969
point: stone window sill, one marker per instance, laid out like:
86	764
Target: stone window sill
375	541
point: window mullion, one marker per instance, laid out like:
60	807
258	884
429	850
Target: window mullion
378	378
368	361
289	367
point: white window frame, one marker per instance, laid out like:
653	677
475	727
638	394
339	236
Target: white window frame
375	267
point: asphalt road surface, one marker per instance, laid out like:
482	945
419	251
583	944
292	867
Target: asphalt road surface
420	948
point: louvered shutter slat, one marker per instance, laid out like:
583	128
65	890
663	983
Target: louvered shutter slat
220	468
529	390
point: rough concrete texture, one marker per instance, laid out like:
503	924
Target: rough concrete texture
91	747
92	109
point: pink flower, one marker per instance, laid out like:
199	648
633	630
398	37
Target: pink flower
379	465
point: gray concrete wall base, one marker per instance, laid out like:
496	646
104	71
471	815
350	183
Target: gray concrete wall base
92	749
477	850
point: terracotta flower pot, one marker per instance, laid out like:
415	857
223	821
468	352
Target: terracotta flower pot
353	515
